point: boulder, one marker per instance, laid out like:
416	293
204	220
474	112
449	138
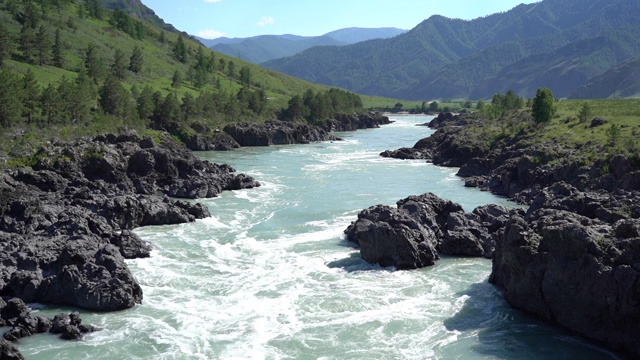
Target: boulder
411	235
8	351
390	237
578	272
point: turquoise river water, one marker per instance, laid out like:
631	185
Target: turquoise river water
270	276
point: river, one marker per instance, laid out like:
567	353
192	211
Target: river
269	275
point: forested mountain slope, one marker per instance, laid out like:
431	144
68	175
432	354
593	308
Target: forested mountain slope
444	57
259	49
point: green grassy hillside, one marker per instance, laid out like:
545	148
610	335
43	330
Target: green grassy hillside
66	71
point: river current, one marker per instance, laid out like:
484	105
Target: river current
270	276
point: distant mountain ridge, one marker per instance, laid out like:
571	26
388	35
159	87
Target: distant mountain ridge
557	43
259	49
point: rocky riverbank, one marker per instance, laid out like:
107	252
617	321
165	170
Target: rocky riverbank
65	220
277	132
573	258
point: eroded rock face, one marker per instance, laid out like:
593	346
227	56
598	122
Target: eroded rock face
276	132
391	237
65	224
570	265
411	235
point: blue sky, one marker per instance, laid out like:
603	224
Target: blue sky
245	18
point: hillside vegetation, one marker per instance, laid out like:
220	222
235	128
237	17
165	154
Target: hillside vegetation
561	44
592	130
72	68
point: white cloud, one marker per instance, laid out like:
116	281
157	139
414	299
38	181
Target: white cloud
210	34
267	20
212	1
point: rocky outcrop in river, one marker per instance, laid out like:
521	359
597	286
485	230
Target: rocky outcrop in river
355	122
276	132
65	221
572	258
411	235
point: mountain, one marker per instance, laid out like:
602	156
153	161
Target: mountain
136	9
354	35
259	49
619	82
553	43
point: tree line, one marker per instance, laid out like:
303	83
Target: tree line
312	106
98	88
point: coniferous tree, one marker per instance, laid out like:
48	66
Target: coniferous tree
188	107
30	95
27	41
211	62
6	44
231	69
10	97
58	57
42	45
121	21
136	60
585	113
145	103
139	30
113	97
94	8
180	50
50	103
30	16
93	63
162	39
176	80
245	76
118	66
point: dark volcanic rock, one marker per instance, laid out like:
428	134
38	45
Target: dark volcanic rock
411	235
65	225
8	351
577	271
276	132
390	237
355	122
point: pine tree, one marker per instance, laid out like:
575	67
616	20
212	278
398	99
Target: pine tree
245	76
27	41
94	8
231	69
93	64
145	103
6	44
50	103
176	80
188	107
136	60
139	30
118	66
10	96
180	50
58	57
30	16
113	96
42	45
30	95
